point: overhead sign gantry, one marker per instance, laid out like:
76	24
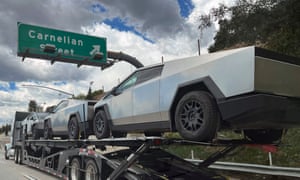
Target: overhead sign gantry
57	45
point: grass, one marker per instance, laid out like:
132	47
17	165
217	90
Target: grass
288	153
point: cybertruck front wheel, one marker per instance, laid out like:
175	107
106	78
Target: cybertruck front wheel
73	128
101	129
197	117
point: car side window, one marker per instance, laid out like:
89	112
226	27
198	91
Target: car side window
147	74
33	118
61	105
128	83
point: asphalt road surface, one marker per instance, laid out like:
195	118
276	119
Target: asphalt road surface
11	171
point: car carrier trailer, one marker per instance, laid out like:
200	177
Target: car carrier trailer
75	159
142	157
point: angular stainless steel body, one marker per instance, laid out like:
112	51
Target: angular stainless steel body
61	115
230	74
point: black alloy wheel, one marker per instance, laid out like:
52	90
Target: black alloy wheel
73	128
101	128
197	116
47	130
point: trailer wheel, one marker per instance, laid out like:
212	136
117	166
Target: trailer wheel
6	154
16	155
91	170
101	128
20	156
73	128
197	117
47	130
75	173
266	136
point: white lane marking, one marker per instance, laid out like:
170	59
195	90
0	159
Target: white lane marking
30	177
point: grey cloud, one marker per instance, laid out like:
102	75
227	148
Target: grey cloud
155	17
68	15
12	69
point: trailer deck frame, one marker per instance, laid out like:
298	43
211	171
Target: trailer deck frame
55	156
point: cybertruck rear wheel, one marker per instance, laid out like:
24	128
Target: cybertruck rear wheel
197	117
47	130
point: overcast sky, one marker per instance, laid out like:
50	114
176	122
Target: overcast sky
147	30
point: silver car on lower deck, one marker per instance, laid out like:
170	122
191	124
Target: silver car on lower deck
33	124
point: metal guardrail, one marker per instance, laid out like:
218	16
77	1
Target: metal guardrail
253	168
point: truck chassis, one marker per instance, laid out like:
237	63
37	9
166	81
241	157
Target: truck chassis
143	158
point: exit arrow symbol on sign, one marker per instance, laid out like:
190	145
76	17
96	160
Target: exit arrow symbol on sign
96	49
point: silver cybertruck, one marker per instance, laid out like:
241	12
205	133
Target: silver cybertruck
249	89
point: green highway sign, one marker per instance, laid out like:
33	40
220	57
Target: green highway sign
57	45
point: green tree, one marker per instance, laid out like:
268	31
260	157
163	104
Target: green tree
80	96
89	95
32	106
7	128
272	24
95	95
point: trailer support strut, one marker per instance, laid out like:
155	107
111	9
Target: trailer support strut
125	164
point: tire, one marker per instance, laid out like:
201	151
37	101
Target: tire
73	128
16	155
157	134
35	133
6	154
25	132
75	173
117	134
91	170
47	130
265	136
100	123
20	157
197	116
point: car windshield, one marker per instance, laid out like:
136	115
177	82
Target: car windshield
61	105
